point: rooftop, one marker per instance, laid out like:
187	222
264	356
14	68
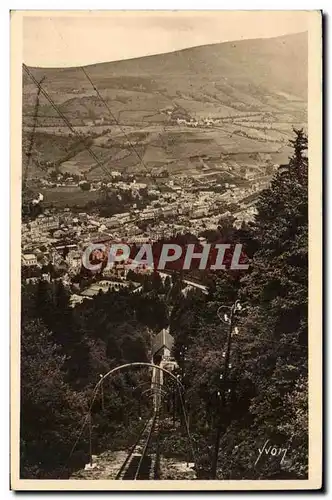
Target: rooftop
162	339
28	256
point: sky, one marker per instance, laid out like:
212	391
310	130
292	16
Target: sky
61	39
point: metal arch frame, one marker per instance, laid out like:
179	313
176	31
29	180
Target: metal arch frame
88	416
140	385
156	390
129	365
159	392
179	386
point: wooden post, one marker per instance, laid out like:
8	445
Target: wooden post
102	396
221	398
90	438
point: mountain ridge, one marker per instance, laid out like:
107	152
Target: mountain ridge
254	91
166	53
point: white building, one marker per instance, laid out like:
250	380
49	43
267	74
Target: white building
74	259
122	218
29	259
115	174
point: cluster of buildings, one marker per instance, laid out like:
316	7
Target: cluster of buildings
182	117
59	237
178	209
205	122
67	180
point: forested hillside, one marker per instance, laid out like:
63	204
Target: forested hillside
64	351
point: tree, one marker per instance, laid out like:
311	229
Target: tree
268	375
225	226
48	400
272	349
85	186
278	281
58	376
266	395
167	284
157	283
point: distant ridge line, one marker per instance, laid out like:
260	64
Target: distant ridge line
64	68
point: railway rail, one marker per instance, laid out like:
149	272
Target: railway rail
142	461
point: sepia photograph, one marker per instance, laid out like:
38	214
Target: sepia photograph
166	204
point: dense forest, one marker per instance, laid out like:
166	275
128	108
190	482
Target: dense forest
64	351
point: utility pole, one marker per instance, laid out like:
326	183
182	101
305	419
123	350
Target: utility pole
183	353
174	394
32	137
221	396
90	438
102	393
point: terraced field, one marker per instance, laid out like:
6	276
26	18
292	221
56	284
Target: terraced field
251	105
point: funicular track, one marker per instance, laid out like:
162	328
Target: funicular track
142	460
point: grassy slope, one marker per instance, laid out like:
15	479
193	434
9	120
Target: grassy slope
247	83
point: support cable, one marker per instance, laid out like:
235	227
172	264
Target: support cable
64	118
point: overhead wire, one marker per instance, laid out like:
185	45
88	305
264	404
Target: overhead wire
113	116
32	138
119	125
64	118
68	124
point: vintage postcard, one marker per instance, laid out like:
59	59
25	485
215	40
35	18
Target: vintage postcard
166	277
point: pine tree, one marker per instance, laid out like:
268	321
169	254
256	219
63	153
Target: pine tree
272	347
46	399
